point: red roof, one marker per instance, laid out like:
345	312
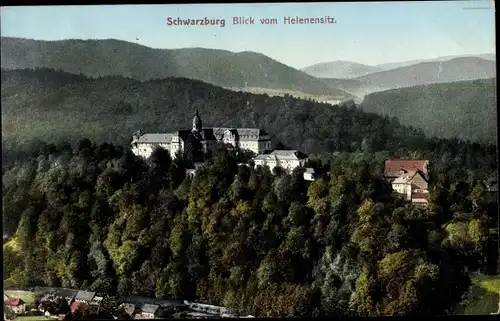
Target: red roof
393	167
14	302
76	305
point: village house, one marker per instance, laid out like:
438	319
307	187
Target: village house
15	304
409	178
286	159
148	311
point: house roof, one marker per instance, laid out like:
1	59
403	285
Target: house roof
129	308
420	196
405	178
65	293
282	155
149	308
242	133
85	296
393	167
206	133
14	302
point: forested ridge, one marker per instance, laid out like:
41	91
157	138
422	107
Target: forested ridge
99	218
466	110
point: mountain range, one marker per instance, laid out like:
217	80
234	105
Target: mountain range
456	69
243	71
340	69
350	69
95	58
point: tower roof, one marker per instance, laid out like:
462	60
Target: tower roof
197	121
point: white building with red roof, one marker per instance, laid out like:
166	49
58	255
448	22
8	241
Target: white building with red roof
409	178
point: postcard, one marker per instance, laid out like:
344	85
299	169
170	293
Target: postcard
250	160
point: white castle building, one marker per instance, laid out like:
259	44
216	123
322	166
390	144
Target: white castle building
286	159
201	140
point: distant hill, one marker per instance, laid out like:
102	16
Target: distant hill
458	69
340	69
56	107
466	110
394	65
95	58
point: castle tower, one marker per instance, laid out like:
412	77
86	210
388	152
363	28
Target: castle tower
196	123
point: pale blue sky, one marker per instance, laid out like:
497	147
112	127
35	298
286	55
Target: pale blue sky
370	33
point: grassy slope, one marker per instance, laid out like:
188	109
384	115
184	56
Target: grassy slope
465	110
484	296
113	57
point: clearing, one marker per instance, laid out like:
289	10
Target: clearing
484	296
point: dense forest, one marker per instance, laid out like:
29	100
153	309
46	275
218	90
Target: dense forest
465	110
86	213
56	107
97	217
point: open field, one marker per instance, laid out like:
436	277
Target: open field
484	296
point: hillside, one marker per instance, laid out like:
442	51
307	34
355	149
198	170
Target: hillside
95	58
56	107
394	65
340	69
465	110
458	69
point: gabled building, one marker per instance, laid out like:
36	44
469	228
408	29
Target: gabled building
84	296
286	159
409	178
